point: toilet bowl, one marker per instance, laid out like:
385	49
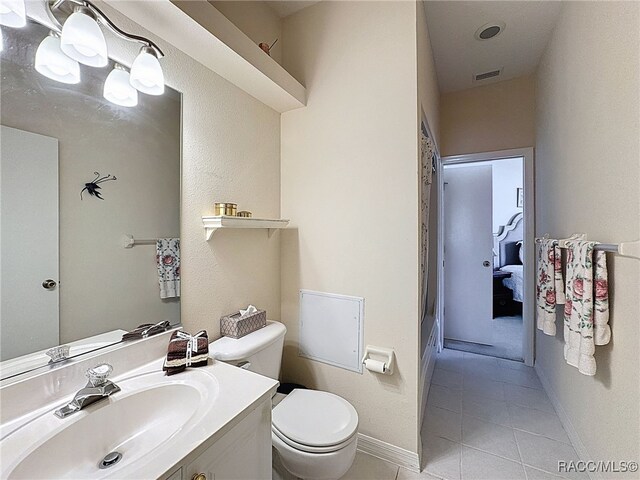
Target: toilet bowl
314	432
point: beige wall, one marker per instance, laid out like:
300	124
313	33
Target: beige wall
350	188
588	180
230	152
428	92
256	20
493	117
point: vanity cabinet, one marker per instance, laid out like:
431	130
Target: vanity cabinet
212	422
244	452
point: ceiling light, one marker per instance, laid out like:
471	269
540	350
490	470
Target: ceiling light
12	13
146	73
118	90
489	30
54	64
83	40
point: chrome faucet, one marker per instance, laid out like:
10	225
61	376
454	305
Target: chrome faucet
58	354
96	389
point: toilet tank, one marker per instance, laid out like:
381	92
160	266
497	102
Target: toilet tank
262	349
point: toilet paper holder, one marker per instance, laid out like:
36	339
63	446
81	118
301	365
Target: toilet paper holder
379	359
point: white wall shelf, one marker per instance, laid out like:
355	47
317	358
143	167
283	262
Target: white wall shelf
219	45
212	224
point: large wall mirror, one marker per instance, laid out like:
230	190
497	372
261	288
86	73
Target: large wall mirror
65	274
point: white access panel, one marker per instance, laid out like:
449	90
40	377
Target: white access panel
331	329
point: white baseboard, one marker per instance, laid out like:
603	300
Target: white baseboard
390	453
572	433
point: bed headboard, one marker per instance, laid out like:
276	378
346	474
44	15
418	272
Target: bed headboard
506	242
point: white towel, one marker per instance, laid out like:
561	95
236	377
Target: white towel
586	315
549	285
168	260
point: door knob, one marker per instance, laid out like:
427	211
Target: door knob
49	284
199	476
486	263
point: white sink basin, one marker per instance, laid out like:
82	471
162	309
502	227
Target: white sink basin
151	413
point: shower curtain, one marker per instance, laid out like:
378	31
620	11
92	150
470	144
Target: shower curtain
427	154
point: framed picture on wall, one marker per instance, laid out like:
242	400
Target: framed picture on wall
520	197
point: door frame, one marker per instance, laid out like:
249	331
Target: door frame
528	308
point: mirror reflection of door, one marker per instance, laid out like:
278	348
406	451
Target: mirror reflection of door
468	253
28	242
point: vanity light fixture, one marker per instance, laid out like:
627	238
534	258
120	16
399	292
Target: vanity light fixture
13	13
118	89
146	73
52	62
82	39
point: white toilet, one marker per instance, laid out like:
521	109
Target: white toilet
314	432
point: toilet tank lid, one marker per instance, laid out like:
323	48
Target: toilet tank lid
233	349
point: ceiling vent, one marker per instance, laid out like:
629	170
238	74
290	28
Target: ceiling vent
478	77
489	31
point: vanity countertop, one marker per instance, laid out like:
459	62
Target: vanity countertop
157	421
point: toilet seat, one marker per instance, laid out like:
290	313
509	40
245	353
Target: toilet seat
315	422
308	448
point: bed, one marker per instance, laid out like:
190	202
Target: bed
508	256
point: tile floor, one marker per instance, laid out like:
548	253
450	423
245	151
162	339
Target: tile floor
486	419
506	343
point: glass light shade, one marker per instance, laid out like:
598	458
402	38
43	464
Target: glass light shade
12	13
83	40
53	63
146	74
118	90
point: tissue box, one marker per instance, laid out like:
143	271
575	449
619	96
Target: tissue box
235	327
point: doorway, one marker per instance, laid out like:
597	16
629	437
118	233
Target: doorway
29	257
486	238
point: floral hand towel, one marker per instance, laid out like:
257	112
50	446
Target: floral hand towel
601	329
586	315
550	285
168	260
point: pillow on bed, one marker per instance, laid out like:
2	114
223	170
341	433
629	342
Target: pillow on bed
509	253
520	252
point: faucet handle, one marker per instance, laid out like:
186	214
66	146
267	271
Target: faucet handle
61	352
98	375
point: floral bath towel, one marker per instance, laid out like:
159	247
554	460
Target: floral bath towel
586	311
549	285
168	260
